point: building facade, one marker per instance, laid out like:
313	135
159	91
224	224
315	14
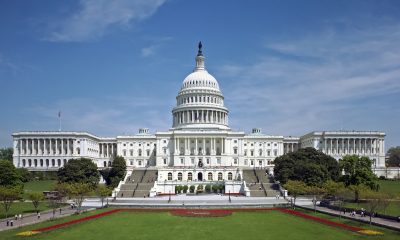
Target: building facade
199	146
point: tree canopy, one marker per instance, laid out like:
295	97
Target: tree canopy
81	170
394	157
358	174
116	173
9	175
6	154
308	165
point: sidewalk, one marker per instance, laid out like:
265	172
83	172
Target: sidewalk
375	220
32	218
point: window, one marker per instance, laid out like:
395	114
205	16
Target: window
251	162
131	163
260	162
169	176
140	163
105	164
268	153
275	152
235	141
235	150
190	176
148	152
140	152
218	160
131	152
235	161
208	161
246	162
192	160
251	152
245	152
210	176
165	161
165	141
220	176
181	160
260	152
41	162
179	176
124	153
230	176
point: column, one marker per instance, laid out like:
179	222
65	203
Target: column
56	152
62	146
195	148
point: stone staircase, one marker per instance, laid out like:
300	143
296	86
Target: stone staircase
138	184
259	183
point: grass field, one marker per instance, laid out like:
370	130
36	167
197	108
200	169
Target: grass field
163	225
390	187
38	186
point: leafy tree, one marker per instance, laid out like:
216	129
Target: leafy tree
77	191
317	193
295	189
185	188
307	165
24	175
103	192
7	196
192	188
208	188
333	188
394	157
81	170
178	189
9	175
36	198
215	188
6	154
116	173
357	171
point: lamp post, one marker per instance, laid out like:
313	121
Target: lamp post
169	197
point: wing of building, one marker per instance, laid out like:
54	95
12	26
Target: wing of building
199	147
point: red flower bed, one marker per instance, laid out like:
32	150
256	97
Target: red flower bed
76	221
201	212
321	220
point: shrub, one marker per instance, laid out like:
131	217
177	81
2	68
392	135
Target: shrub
200	188
208	188
178	189
185	188
192	188
215	188
382	177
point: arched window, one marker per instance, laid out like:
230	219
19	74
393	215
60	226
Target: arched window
78	151
105	164
65	161
210	176
230	176
41	162
47	162
169	176
179	176
35	162
53	162
140	152
29	162
190	176
59	162
109	163
23	162
220	176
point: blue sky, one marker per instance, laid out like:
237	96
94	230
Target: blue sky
289	67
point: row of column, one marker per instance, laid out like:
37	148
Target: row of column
353	145
200	99
184	146
200	116
45	146
107	149
290	147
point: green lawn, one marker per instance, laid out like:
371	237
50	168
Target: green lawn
38	186
390	187
22	208
240	225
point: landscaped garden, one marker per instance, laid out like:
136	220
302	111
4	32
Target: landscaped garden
166	225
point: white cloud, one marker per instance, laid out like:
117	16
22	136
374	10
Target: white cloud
95	17
317	82
157	43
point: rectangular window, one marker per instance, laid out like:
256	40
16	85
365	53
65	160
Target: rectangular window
131	163
208	161
275	152
269	153
218	160
235	161
245	162
124	153
131	152
165	161
252	153
235	151
181	160
192	160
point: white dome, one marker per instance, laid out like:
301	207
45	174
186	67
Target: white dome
201	79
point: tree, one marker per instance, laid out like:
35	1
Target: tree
374	200
357	171
307	165
24	174
36	198
6	154
9	175
215	188
117	172
81	170
394	156
77	191
7	196
103	192
185	188
208	188
317	193
192	188
295	189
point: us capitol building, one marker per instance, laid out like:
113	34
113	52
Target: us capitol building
200	146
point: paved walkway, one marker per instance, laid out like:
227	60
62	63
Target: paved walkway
375	220
32	218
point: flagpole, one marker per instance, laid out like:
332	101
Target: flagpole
59	119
